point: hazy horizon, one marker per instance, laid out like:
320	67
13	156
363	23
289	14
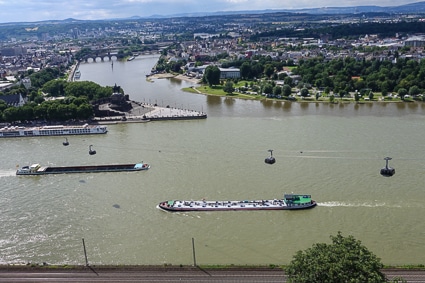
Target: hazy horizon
41	10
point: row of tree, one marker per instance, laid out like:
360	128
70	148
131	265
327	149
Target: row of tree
86	89
56	110
401	75
345	30
404	75
52	98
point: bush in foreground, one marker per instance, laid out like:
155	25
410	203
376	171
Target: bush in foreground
345	260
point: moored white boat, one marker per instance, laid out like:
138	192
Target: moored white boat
77	74
289	202
59	130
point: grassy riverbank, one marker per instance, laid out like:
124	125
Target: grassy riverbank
245	90
217	90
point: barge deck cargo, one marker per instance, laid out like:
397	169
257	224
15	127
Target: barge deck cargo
289	202
37	169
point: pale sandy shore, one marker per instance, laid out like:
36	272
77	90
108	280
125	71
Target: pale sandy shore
180	77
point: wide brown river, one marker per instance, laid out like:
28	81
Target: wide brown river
333	152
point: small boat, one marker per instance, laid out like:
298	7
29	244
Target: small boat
131	58
77	74
289	202
37	169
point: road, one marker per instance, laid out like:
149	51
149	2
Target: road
166	274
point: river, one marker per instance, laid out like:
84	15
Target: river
333	152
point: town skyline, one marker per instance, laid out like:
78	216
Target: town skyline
44	10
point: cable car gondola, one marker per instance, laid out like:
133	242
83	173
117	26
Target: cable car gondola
270	159
65	143
387	171
91	151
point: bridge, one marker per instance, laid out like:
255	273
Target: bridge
102	54
108	54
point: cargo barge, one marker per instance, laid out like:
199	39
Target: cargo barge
37	169
289	202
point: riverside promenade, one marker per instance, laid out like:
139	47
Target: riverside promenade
71	72
142	112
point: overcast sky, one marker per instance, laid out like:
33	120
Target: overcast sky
36	10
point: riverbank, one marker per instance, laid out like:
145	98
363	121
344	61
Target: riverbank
143	112
249	95
179	77
169	267
71	72
166	273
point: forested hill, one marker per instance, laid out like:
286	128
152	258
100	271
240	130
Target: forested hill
412	8
348	30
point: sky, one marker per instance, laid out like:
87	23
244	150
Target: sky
39	10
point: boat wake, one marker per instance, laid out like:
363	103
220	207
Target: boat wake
352	204
7	173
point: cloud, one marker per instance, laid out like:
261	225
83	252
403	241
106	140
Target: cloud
36	10
236	1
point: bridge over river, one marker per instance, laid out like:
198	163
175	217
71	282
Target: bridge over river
110	53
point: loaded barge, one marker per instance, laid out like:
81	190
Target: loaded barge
37	169
289	202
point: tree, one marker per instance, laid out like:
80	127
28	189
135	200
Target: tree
357	96
228	87
304	92
277	90
268	70
414	90
89	90
282	76
3	105
245	70
402	92
268	89
288	81
84	111
286	90
82	53
345	260
54	88
212	75
11	114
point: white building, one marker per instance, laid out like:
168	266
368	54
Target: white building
230	73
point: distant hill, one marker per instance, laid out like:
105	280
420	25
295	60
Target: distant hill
412	8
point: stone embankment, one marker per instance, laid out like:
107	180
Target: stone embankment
142	112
